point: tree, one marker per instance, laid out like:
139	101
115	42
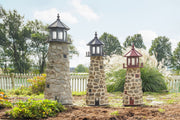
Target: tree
161	48
38	43
176	59
111	44
81	68
136	39
13	40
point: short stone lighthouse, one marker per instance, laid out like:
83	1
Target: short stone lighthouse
96	87
58	75
133	95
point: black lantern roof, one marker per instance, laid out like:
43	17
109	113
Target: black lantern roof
95	41
58	24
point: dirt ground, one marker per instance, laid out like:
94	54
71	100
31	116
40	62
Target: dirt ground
168	110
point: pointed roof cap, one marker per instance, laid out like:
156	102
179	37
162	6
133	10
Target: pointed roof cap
133	53
95	41
58	24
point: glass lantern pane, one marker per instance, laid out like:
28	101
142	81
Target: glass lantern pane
54	35
60	35
137	60
129	61
133	61
97	50
93	50
65	35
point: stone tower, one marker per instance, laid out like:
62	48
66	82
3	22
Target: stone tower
96	87
133	95
58	75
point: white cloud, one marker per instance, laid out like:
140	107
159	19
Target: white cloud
51	15
148	36
82	48
84	10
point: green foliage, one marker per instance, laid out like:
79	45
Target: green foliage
13	41
161	48
116	113
38	44
152	80
81	68
111	44
79	93
38	84
20	91
161	110
4	103
32	109
176	60
116	80
136	39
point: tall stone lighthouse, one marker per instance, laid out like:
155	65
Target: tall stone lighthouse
58	75
133	95
96	87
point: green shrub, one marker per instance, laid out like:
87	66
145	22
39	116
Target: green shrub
116	80
32	109
152	80
38	84
20	91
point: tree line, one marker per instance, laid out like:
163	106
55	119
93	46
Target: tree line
20	42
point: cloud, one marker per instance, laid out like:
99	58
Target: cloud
148	36
82	49
51	15
84	10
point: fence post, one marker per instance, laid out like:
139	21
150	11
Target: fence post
12	80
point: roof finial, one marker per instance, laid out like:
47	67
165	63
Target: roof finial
133	46
95	34
58	16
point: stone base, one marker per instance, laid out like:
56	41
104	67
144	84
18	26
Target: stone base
133	95
96	87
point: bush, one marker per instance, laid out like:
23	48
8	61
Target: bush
152	80
20	91
4	101
38	84
116	80
32	109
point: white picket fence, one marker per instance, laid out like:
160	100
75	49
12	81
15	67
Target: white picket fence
78	81
9	81
173	83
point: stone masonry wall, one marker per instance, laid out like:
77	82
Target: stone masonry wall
133	94
58	74
96	87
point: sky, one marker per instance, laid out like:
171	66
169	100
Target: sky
121	18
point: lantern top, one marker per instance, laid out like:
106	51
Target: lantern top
58	24
95	41
133	53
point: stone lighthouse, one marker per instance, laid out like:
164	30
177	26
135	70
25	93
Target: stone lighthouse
133	95
96	87
58	75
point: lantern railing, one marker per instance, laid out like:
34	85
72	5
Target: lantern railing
133	66
88	54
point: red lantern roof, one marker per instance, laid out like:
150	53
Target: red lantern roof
133	53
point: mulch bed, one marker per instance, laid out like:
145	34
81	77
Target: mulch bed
170	112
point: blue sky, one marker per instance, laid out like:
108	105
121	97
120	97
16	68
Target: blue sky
121	18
